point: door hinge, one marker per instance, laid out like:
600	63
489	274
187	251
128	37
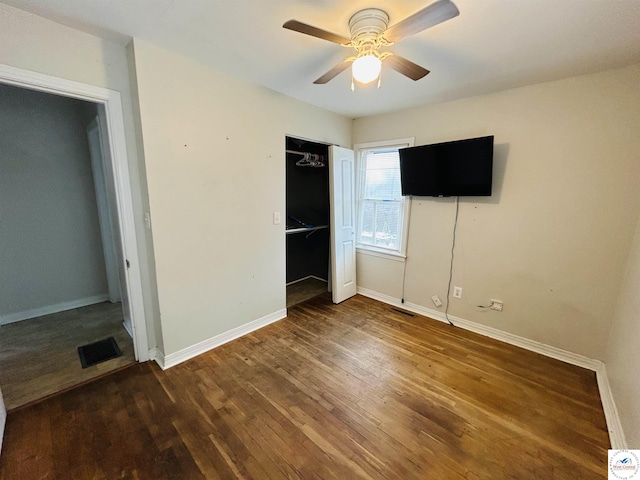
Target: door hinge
128	264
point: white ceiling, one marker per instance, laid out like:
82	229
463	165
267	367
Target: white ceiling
493	45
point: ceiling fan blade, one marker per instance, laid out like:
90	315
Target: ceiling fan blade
300	27
405	67
434	14
334	72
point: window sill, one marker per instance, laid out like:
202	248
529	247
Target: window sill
396	257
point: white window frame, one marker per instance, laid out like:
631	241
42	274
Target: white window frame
361	149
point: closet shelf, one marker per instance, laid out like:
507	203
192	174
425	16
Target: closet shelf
305	229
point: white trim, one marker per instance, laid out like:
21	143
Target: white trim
185	354
366	250
112	103
127	328
307	278
156	355
614	425
3	419
97	154
359	148
397	142
49	309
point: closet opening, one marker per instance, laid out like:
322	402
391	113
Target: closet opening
307	220
62	216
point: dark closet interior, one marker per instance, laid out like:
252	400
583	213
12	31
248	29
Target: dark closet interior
307	221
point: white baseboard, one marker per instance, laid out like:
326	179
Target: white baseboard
48	310
156	355
307	278
180	356
127	327
614	426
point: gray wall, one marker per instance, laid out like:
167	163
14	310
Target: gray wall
50	246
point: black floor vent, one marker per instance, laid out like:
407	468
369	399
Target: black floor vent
404	312
98	352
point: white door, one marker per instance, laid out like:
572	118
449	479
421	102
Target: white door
108	213
108	244
343	223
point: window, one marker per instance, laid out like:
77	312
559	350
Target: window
383	213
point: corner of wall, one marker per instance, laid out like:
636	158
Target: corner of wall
154	327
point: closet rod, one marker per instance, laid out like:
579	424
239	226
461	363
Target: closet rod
302	153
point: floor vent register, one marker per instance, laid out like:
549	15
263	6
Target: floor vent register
98	352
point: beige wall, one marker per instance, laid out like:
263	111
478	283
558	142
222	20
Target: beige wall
33	43
553	240
623	353
214	152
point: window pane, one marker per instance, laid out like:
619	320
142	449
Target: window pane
367	224
382	176
387	234
380	199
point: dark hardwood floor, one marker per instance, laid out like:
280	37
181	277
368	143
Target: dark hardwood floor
349	391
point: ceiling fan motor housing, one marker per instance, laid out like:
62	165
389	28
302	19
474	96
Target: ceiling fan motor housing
369	22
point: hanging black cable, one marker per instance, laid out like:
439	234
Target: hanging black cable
406	252
453	246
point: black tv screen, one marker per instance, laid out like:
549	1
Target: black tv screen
459	168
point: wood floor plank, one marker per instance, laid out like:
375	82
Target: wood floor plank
349	391
39	357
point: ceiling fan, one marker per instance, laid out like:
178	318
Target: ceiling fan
369	33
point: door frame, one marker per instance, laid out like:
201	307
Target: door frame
338	292
111	101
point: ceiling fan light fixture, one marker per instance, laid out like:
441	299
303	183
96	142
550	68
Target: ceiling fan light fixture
369	33
366	69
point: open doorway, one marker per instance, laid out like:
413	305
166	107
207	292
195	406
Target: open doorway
53	255
307	222
320	224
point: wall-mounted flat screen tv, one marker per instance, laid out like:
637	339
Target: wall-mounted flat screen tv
459	168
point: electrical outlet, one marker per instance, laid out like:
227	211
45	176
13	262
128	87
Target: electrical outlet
436	301
457	292
496	305
276	218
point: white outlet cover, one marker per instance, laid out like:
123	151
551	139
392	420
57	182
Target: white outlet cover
436	301
457	292
496	305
